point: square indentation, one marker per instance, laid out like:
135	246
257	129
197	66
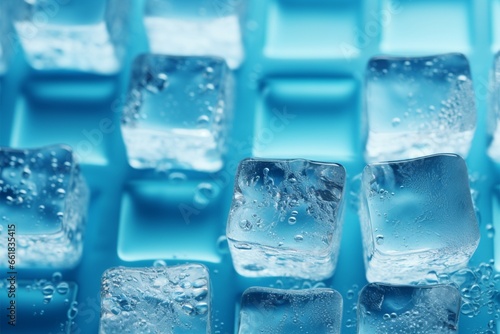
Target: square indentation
312	29
426	27
175	219
307	118
82	126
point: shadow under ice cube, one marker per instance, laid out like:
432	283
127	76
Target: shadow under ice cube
177	113
418	106
160	299
270	311
416	216
396	309
43	199
286	218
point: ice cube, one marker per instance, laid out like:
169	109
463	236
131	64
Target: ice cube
41	306
4	36
270	311
195	28
417	216
408	309
176	115
43	206
418	106
77	35
286	218
494	111
159	299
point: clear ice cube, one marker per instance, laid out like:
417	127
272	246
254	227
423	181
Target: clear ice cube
270	311
177	113
195	28
77	35
408	309
286	218
43	200
494	111
417	216
418	106
160	299
41	306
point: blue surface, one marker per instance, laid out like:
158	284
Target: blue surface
304	59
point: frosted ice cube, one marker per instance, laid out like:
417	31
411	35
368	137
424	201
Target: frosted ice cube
408	309
286	218
416	216
418	106
177	111
161	299
195	28
43	205
4	36
271	311
41	306
78	35
494	111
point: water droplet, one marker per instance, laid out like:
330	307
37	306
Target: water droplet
292	220
222	245
48	289
396	121
159	263
205	192
177	177
380	239
188	308
62	288
61	192
490	230
245	225
298	238
462	77
294	213
203	121
41	208
201	308
350	294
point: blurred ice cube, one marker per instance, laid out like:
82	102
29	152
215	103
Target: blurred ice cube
77	35
494	111
270	311
396	309
195	28
158	299
417	216
286	218
43	200
418	106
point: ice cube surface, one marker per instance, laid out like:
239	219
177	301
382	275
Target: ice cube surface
286	218
416	216
173	300
4	36
77	35
43	201
195	28
418	106
396	309
494	111
177	113
276	311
